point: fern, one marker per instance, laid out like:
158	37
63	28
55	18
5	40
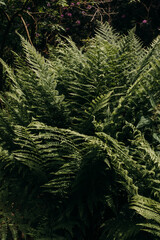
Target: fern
75	148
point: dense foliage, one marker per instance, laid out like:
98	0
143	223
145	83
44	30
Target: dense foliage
80	141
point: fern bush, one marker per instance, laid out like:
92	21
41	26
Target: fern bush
80	141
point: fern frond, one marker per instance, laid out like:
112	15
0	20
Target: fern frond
119	155
149	209
106	32
9	71
35	91
119	228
